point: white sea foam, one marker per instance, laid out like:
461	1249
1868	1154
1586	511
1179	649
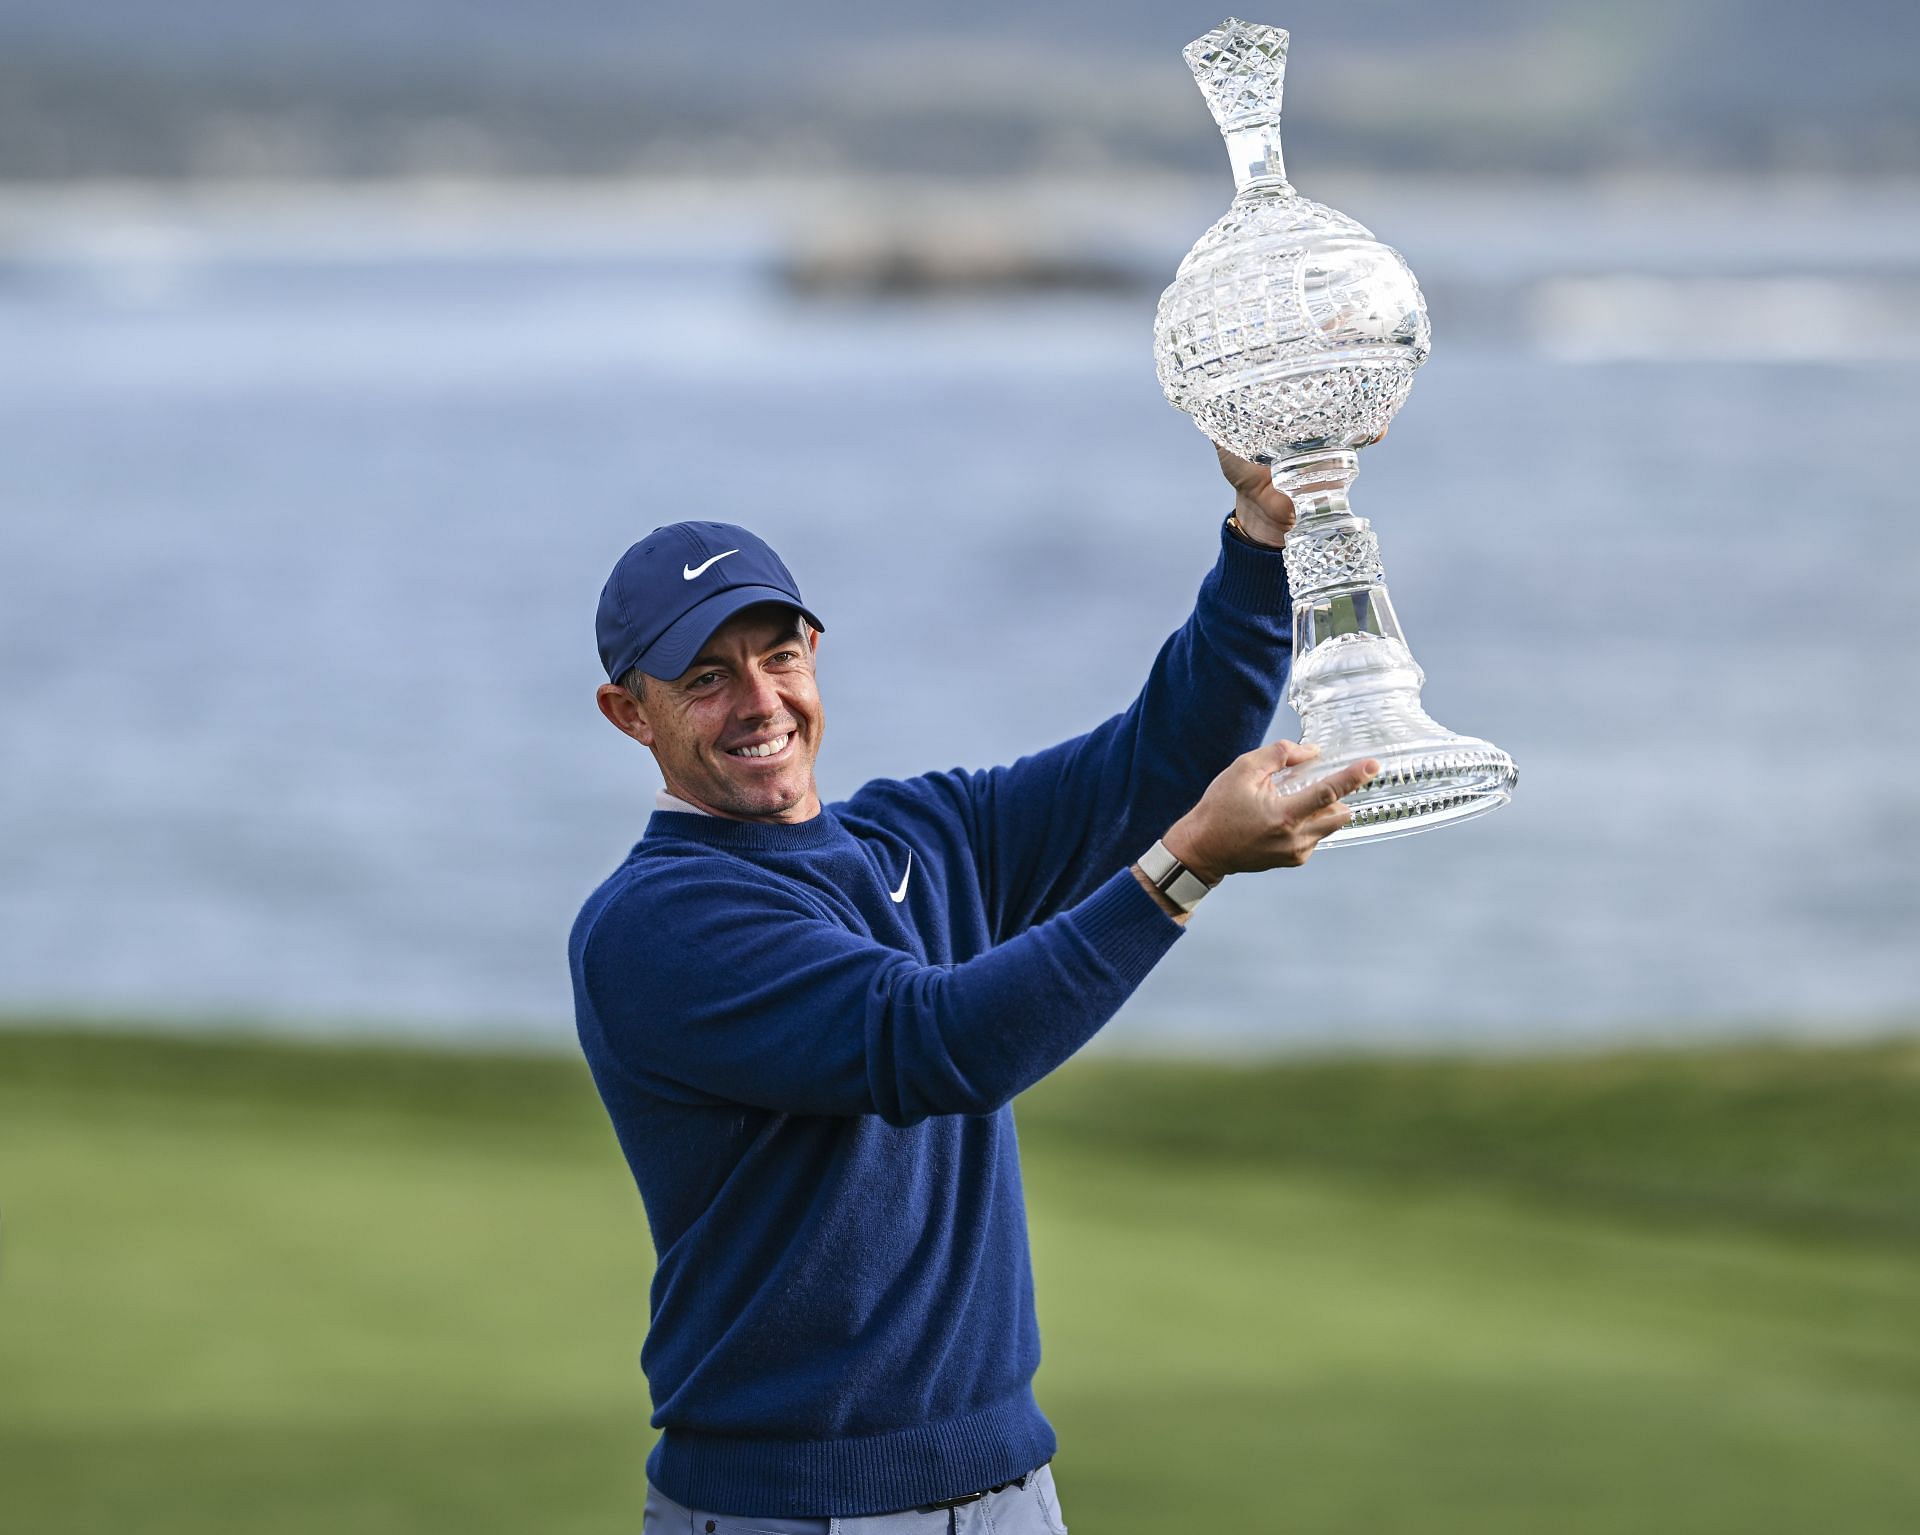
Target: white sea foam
1632	317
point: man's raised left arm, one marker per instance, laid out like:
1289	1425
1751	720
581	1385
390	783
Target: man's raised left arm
1049	828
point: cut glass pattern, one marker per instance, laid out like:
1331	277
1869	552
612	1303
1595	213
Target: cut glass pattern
1241	68
1346	554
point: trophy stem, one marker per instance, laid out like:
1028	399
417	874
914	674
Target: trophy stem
1356	686
1257	161
1317	483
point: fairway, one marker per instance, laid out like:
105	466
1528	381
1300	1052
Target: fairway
252	1287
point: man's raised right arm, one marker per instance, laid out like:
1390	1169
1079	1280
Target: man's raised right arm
738	990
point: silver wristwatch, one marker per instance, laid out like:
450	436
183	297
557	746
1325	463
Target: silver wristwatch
1172	878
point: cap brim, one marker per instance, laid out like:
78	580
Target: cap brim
670	655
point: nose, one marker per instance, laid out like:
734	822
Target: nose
758	698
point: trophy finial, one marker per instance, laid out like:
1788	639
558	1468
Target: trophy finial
1241	67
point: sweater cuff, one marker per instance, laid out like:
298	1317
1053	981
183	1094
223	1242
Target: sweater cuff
1126	927
1253	579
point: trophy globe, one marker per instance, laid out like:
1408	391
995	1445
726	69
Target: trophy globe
1291	337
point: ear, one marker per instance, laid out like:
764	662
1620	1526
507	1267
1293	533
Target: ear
625	712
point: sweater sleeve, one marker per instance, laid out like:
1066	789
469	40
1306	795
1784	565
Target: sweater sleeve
734	989
1056	824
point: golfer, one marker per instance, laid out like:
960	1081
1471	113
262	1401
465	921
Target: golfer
808	1023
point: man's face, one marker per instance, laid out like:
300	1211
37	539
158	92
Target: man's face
750	688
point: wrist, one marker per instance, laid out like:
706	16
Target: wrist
1251	525
1160	897
1184	842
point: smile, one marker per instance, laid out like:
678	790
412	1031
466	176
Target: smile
771	748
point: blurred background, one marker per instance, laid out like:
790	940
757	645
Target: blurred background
1564	1160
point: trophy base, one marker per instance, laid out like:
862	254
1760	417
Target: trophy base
1421	785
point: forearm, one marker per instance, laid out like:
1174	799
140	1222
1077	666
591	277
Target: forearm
807	1016
1211	696
968	1039
1055	824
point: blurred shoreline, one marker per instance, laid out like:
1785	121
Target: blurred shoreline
1147	1040
1794	1133
1607	268
1037	197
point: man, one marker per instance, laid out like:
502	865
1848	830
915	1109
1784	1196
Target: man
808	1023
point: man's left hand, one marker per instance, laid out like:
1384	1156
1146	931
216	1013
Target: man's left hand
1264	512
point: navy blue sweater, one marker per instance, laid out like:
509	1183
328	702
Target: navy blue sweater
812	1081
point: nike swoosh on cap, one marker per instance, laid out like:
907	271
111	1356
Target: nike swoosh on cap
897	896
688	572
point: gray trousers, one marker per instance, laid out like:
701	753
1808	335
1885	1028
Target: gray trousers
1029	1510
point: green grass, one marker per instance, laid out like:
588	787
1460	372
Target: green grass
254	1287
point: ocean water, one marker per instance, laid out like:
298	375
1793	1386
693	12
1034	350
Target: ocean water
299	549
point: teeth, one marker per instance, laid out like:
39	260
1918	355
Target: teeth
766	750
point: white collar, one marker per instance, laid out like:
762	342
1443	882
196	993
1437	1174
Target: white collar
665	801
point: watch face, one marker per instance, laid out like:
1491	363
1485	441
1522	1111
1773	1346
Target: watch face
1192	889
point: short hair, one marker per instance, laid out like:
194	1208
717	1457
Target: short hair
634	681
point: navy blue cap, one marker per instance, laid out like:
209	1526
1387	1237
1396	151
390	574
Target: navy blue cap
670	591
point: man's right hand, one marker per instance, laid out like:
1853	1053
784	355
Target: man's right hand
1243	823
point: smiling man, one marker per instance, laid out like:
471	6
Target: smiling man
808	1024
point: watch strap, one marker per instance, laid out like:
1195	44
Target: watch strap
1172	878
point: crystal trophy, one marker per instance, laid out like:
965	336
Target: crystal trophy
1291	336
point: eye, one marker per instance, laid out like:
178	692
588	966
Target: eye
704	679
